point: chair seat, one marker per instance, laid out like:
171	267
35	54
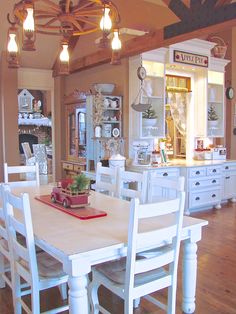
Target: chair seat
48	266
115	271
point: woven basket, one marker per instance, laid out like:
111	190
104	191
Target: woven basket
220	49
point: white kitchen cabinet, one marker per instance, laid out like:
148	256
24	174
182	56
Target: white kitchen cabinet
203	187
154	85
229	181
215	104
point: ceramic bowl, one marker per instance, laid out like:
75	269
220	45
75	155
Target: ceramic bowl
106	88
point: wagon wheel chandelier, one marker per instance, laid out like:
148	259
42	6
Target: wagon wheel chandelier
65	20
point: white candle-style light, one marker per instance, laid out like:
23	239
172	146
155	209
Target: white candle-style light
116	42
64	55
12	45
106	23
28	24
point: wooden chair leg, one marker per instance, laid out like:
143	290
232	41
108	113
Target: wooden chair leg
2	269
93	294
16	293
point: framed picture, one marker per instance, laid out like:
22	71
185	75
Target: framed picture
107	130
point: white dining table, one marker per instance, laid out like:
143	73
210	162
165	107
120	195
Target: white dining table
80	244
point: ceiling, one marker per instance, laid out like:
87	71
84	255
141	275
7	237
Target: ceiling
147	15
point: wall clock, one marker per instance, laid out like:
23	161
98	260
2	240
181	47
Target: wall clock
229	93
141	72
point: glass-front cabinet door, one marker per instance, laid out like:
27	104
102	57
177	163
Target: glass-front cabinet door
152	119
81	132
76	133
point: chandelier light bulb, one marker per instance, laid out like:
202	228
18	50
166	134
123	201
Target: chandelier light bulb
12	45
28	24
116	43
64	55
106	23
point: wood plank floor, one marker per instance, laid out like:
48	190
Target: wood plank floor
216	282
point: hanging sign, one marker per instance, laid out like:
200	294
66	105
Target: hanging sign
190	58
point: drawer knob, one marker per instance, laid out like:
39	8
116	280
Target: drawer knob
226	167
197	172
165	174
213	181
197	183
214	170
213	195
197	198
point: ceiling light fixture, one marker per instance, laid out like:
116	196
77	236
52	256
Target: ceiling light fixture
63	19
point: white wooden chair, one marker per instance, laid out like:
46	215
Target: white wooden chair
162	188
29	158
31	175
133	277
40	155
39	271
106	180
132	185
5	268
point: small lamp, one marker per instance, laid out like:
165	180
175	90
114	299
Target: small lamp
12	48
64	58
116	47
29	30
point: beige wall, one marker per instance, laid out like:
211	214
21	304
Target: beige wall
9	115
104	74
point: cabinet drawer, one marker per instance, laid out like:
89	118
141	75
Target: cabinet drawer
67	166
167	173
78	168
197	199
199	184
213	170
229	167
197	172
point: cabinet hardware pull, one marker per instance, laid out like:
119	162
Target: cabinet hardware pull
197	183
226	167
214	170
197	172
197	198
227	177
213	181
213	195
165	174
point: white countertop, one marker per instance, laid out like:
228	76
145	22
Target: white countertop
180	163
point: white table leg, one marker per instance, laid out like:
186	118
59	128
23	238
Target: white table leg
78	296
189	276
2	281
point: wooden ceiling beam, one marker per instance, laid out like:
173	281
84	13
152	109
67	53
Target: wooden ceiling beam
144	43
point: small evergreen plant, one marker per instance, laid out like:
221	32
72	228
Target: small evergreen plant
212	115
80	183
149	114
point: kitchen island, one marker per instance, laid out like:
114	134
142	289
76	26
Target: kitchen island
208	183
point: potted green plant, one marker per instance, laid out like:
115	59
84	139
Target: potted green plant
149	117
212	117
80	184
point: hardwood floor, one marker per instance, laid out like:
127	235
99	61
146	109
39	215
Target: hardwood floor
216	281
